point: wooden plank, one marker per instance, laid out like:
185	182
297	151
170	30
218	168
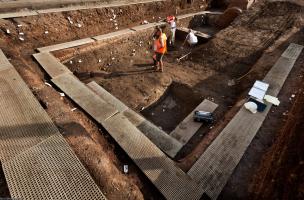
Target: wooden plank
187	128
199	13
49	170
144	27
95	6
17	14
113	34
215	166
23	122
66	45
99	109
51	64
106	96
161	171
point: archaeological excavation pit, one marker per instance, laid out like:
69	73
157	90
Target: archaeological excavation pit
122	65
89	117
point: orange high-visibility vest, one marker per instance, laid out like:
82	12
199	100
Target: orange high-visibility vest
157	44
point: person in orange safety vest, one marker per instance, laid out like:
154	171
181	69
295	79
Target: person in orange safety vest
160	48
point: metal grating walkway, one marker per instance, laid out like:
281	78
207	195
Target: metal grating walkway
37	161
51	64
160	169
216	165
23	122
49	170
160	138
213	169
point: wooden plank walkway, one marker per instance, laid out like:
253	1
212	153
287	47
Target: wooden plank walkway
147	26
36	160
35	3
187	128
199	13
116	34
66	45
215	166
96	6
113	34
17	14
161	139
49	170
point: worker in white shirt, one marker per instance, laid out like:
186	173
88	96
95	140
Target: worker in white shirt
191	39
172	22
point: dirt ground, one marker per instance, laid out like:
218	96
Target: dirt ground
205	74
253	42
97	151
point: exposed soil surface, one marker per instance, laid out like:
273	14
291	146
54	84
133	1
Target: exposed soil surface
97	151
251	44
205	74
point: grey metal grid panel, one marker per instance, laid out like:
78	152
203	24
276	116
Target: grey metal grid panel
51	64
106	96
113	34
66	45
215	166
162	172
293	51
4	63
134	117
84	97
187	128
161	139
49	170
23	122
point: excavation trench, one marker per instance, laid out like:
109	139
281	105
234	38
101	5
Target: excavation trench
124	67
